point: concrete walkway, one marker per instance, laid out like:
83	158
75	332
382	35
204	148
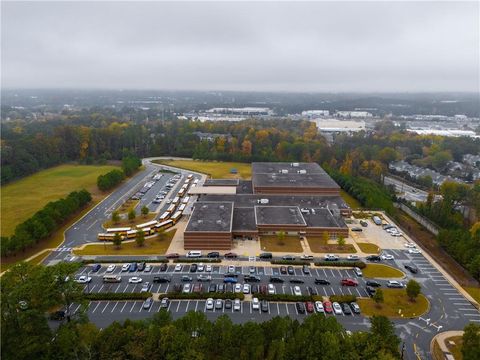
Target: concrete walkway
440	338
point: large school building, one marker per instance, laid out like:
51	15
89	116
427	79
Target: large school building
296	198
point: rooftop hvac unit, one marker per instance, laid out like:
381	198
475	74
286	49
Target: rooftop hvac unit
264	201
303	171
284	171
295	164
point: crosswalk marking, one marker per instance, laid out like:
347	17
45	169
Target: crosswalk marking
63	248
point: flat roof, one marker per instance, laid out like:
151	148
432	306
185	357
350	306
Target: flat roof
332	202
221	182
323	218
290	175
279	215
245	187
221	190
211	216
244	219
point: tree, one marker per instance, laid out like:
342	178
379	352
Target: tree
413	289
145	211
281	237
471	342
383	337
378	297
117	240
115	217
132	215
140	238
341	241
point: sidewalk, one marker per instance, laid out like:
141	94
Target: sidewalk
440	339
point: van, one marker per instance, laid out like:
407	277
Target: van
194	254
112	279
265	256
377	220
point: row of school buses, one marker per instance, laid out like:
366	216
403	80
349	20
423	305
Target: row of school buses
168	219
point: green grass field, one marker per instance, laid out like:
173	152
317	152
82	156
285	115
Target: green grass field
291	244
216	169
395	300
22	198
350	200
381	271
319	245
368	248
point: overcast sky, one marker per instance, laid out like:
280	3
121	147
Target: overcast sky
323	46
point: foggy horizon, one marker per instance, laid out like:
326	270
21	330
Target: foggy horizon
320	47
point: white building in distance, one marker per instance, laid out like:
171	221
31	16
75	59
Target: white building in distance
354	114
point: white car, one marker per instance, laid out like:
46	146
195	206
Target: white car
306	257
208	268
135	280
255	304
238	288
387	257
236	305
414	251
210	304
125	267
396	234
246	288
331	257
337	309
357	271
319	307
200	267
231	269
145	287
111	268
83	279
271	289
186	288
148	268
353	257
394	284
409	245
178	267
297	291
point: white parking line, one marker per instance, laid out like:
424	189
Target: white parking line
133	305
93	287
96	307
114	307
123	307
196	306
178	306
105	306
286	306
76	309
278	308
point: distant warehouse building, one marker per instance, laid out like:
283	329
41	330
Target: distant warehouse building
310	205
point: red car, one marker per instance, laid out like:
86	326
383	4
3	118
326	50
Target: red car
349	282
173	256
327	306
230	255
309	306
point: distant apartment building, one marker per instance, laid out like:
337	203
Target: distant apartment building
416	172
244	111
312	114
353	114
211	136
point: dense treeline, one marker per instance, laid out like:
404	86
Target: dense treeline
110	179
26	334
44	222
130	164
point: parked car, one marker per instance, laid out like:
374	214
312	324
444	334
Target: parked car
163	267
231	269
231	280
148	303
288	257
197	288
373	283
290	270
297	291
370	290
363	223
412	268
172	256
236	305
306	257
319	307
200	267
111	268
300	307
306	269
212	288
187	288
141	266
83	279
204	278
218	304
193	268
309	306
283	270
178	267
357	271
353	257
331	257
246	288
146	287
311	291
238	288
57	315
161	279
355	307
327	306
133	267
264	306
255	304
414	251
276	279
373	258
346	309
322	282
96	267
230	255
387	257
228	304
135	280
148	268
186	278
394	284
271	289
349	282
266	256
164	303
251	278
213	254
337	309
125	267
209	305
208	268
229	288
357	229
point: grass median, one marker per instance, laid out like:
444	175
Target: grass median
152	246
381	271
368	248
216	169
320	245
396	305
290	244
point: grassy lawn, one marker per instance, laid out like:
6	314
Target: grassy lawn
369	248
474	292
456	349
22	198
320	245
350	200
216	169
395	300
152	246
140	219
291	244
127	206
381	271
